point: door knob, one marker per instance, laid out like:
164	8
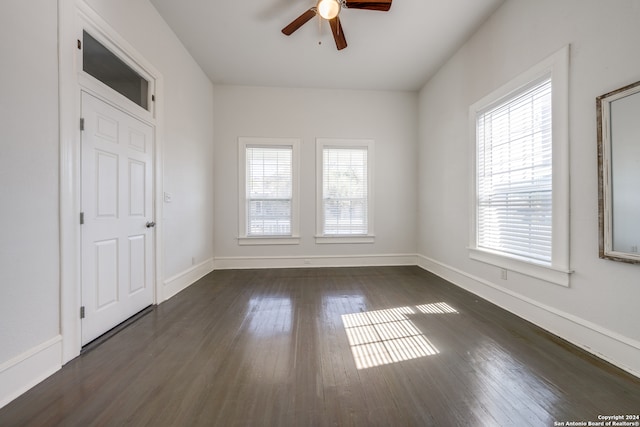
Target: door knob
151	224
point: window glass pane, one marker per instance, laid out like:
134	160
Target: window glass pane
101	63
269	190
269	218
344	183
515	175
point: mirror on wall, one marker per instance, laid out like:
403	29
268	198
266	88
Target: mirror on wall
619	173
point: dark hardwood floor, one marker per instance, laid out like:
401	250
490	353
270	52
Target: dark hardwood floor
387	346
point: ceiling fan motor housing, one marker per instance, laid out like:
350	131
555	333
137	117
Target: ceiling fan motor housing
328	9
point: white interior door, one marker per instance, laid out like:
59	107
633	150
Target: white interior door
117	204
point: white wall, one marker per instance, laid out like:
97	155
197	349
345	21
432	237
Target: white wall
599	310
29	282
389	118
188	131
31	344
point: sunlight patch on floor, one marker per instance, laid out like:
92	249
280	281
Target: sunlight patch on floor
382	337
436	308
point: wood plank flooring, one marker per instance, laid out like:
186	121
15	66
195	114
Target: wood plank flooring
284	348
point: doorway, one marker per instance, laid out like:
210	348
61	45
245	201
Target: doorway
118	241
141	101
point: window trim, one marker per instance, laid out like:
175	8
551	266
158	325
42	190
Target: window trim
243	237
556	66
321	144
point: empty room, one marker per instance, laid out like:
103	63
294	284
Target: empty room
333	212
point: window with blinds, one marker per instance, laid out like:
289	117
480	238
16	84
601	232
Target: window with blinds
269	185
345	191
514	175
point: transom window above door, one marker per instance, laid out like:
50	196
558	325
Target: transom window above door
101	63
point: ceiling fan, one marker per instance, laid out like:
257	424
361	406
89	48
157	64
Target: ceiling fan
329	10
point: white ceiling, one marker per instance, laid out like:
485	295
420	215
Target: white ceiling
240	41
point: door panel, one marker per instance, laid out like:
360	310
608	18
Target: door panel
137	249
106	269
137	188
106	184
106	128
117	201
138	141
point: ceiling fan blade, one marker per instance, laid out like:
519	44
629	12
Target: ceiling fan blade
382	5
299	21
338	34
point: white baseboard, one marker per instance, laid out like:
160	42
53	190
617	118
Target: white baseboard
24	371
619	350
183	280
225	263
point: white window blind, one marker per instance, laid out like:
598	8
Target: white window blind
514	182
269	186
344	191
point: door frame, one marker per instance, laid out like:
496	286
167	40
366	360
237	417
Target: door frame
74	16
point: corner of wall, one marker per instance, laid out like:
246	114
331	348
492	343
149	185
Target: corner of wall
183	280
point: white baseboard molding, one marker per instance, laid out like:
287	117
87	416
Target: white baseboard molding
226	263
619	350
24	371
183	280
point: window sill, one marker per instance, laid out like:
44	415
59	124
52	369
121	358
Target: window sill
268	240
555	275
330	239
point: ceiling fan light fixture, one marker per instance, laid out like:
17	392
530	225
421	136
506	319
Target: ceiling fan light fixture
328	9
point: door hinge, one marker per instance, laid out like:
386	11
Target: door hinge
81	123
79	44
81	218
153	98
82	312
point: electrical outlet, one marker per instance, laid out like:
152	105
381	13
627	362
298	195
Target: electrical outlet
503	274
167	197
